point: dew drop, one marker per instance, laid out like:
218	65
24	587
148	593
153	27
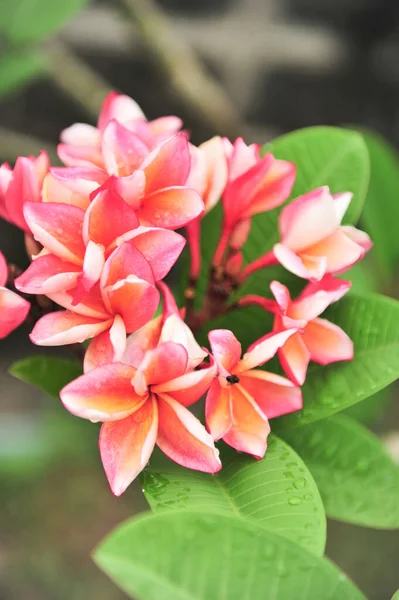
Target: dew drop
294	501
300	483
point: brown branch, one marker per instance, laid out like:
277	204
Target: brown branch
201	94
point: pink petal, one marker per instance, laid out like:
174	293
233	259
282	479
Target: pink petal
58	227
124	262
263	350
359	237
165	362
3	270
226	349
120	107
341	204
274	395
218	412
171	208
13	311
327	342
184	439
209	173
316	297
305	266
80	156
23	187
240	234
240	157
48	274
250	427
188	388
131	188
339	251
294	358
64	327
145	338
123	151
103	394
135	300
81	134
92	268
108	217
91	305
308	219
175	330
106	348
126	445
282	295
165	125
168	165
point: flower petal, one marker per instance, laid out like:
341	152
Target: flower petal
92	268
339	250
274	395
341	204
218	412
126	445
184	439
327	343
135	300
282	296
168	165
226	349
106	348
294	358
58	227
64	327
125	261
123	151
307	267
263	350
171	208
165	362
81	134
250	427
91	305
13	311
24	186
188	388
48	274
120	107
3	270
316	297
80	156
175	330
145	338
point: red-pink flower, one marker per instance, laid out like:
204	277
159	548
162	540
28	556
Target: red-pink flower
13	308
142	401
21	184
255	184
242	399
317	339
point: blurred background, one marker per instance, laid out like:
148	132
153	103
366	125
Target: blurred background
256	68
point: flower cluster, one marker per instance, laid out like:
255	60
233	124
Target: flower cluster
104	232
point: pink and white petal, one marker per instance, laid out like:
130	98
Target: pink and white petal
327	343
106	348
64	327
165	362
13	311
294	357
175	330
120	107
184	439
161	247
339	251
103	394
54	190
218	413
126	446
317	296
282	296
91	305
3	270
108	216
165	125
81	180
48	274
240	157
358	236
168	165
170	208
190	387
216	171
263	350
308	219
274	395
123	151
58	227
341	204
135	300
226	350
125	261
81	134
250	427
131	188
304	266
24	186
80	156
240	234
92	268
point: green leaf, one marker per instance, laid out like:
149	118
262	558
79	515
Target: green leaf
25	21
372	322
277	491
381	209
188	555
396	596
48	373
358	481
18	68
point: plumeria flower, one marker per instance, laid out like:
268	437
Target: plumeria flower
142	402
77	243
13	308
21	184
255	184
242	398
317	339
313	241
122	302
121	139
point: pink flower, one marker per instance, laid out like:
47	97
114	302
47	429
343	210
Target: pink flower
242	399
317	339
13	308
21	184
142	401
255	185
313	241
